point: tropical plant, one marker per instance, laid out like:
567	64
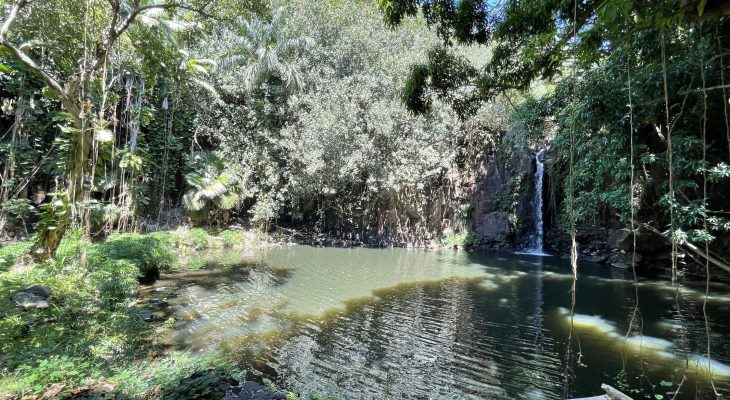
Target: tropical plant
265	50
215	188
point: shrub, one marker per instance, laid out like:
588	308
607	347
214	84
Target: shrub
470	239
87	329
178	239
202	384
114	280
150	253
59	369
198	238
72	246
232	238
259	237
178	376
18	212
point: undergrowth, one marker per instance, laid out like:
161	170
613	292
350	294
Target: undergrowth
10	254
93	332
470	239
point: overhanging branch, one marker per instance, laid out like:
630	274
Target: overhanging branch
32	65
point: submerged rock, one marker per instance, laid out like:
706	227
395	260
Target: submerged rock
624	261
598	258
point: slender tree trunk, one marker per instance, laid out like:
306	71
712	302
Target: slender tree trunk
59	219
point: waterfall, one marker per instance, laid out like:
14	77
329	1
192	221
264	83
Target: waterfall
536	247
537	203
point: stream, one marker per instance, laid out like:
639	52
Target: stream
407	323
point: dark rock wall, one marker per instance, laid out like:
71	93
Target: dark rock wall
491	198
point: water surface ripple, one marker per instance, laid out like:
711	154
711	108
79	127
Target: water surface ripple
413	324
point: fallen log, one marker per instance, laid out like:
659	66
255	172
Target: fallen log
611	394
688	247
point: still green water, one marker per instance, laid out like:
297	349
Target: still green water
401	323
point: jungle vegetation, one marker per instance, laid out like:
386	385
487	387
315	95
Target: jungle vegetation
126	116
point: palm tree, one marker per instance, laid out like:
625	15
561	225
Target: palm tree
214	188
266	49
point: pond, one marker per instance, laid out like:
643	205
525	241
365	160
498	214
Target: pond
405	323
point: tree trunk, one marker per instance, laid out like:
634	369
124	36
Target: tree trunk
59	219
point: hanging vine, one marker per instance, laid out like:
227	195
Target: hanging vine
632	215
706	233
571	207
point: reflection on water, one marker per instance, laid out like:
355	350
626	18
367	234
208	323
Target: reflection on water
420	324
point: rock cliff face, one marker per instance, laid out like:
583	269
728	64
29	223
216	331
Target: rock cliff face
491	199
502	199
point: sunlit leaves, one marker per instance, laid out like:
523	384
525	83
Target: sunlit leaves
262	50
214	186
719	172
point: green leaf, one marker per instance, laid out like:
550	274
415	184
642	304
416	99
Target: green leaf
49	93
666	383
701	7
4	68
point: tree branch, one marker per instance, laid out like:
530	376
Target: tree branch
30	64
114	30
11	18
687	246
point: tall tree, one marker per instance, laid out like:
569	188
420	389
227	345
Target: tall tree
266	49
77	88
530	39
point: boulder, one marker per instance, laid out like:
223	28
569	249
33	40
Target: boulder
618	237
28	301
623	260
497	226
597	258
646	242
148	315
32	297
39	290
591	234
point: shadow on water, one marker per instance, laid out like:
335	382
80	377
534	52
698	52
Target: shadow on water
397	323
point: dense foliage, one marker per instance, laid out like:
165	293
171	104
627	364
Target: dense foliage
639	102
371	120
293	114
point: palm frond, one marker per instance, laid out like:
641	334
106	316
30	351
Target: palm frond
148	21
213	190
207	87
192	203
176	26
227	63
154	12
227	201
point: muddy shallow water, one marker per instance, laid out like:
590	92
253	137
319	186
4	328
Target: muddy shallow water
402	323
